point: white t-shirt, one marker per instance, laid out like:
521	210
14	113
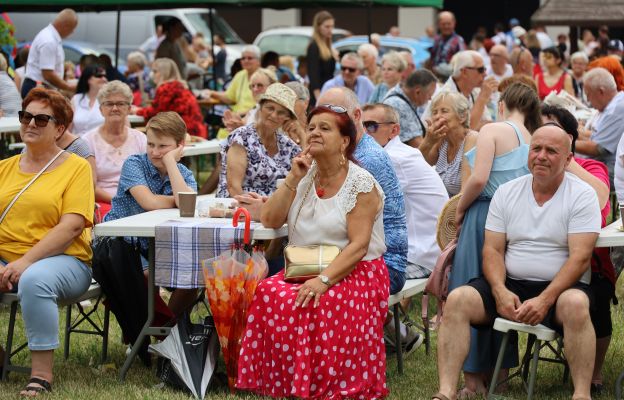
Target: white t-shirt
46	52
537	237
425	196
85	118
324	221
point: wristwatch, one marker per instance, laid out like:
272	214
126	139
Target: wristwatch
324	279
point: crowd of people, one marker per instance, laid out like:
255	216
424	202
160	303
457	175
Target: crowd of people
362	153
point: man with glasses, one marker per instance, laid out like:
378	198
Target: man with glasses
406	98
351	77
46	57
469	79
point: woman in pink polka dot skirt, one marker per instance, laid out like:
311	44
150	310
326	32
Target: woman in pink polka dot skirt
323	339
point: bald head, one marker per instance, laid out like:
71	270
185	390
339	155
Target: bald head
446	23
65	22
549	154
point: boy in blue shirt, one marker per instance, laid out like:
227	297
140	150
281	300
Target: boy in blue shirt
152	181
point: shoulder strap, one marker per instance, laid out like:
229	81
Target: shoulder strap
305	196
6	210
409	103
517	130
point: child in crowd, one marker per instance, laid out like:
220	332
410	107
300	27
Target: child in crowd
152	181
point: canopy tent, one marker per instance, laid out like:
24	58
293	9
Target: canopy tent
107	5
580	13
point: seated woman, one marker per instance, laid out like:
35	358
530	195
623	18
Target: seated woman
47	255
392	67
172	94
443	146
87	113
259	82
254	157
323	338
138	78
113	142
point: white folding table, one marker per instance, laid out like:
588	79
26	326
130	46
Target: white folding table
144	225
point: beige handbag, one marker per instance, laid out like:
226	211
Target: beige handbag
306	262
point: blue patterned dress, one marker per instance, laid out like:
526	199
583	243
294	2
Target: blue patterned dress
263	171
468	263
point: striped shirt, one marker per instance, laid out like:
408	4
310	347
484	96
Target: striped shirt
450	172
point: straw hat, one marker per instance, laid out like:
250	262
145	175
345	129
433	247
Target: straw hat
282	95
446	229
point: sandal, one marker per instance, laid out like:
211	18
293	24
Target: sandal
439	396
467	394
44	387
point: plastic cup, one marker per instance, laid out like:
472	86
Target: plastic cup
187	202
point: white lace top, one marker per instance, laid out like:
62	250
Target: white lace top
324	221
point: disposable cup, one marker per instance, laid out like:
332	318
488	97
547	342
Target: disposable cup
187	202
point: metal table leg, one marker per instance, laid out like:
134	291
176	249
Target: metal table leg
618	386
147	330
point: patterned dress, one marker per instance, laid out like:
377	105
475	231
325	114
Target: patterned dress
263	171
333	351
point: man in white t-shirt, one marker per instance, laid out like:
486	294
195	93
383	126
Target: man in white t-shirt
540	232
46	57
423	190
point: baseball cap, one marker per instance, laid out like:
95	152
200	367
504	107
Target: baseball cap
615	44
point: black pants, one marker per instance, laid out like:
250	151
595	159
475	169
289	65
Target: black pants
27	86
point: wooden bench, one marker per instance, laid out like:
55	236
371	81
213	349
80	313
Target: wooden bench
411	288
84	316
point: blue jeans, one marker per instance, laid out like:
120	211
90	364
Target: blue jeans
52	279
397	280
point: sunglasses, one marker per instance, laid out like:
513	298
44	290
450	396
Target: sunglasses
347	69
480	70
41	120
336	109
373	126
100	75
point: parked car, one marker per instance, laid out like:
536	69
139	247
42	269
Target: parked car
291	41
418	48
75	49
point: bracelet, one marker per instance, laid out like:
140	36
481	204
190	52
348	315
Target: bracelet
292	189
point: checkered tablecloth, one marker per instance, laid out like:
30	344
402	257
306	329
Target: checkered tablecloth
181	246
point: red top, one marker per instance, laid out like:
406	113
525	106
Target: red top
544	90
601	261
174	96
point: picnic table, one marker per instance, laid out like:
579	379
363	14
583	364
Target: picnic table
144	225
613	236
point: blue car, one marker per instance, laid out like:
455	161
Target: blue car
419	49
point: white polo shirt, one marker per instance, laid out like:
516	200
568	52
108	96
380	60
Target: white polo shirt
46	52
425	196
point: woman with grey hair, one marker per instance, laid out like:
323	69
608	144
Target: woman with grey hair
113	142
443	145
296	128
10	99
578	67
392	67
138	77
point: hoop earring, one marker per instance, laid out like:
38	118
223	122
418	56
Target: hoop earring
343	159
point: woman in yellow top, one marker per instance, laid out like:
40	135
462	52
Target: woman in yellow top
44	238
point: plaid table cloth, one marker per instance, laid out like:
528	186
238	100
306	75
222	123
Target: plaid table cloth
181	246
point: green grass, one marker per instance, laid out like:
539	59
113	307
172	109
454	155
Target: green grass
81	376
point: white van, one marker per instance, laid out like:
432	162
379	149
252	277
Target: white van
136	27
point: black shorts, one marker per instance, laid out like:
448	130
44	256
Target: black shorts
524	290
603	291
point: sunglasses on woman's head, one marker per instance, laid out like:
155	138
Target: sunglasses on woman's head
336	109
41	120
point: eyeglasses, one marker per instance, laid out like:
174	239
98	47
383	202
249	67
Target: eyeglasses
373	126
118	104
247	58
41	120
280	113
256	85
336	109
347	69
480	70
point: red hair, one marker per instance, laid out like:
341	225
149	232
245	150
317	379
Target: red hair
614	67
346	127
61	107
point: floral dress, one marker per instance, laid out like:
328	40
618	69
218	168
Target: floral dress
263	171
174	96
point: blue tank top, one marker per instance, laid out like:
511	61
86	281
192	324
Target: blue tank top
505	167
